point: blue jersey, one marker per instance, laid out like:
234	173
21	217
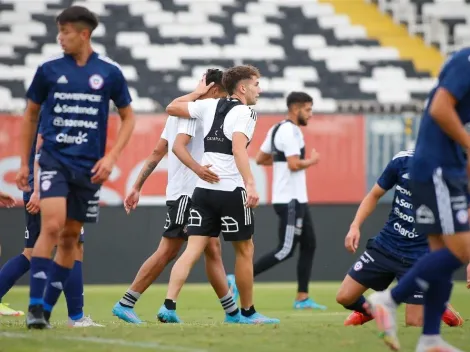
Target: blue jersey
434	148
399	237
75	107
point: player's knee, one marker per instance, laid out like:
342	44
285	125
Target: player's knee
413	320
244	249
213	250
51	227
28	252
68	239
343	298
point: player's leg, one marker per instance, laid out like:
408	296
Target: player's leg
287	214
351	296
308	244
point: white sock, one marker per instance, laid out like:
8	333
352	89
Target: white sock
129	299
228	304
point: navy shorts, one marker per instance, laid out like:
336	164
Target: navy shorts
441	204
56	180
376	270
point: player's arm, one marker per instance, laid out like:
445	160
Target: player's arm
285	138
6	200
180	106
263	158
33	204
152	161
294	163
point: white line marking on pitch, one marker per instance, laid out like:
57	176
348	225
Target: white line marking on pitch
104	341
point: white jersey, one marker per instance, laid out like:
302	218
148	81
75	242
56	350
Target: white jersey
287	184
240	118
181	179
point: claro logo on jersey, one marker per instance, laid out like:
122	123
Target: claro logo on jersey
75	109
68	139
404	232
61	122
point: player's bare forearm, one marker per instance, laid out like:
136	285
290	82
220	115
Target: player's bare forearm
125	131
179	106
367	206
296	164
443	111
182	153
242	160
36	163
28	130
151	163
264	159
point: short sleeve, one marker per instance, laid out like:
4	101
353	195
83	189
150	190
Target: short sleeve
266	147
187	126
389	176
454	78
246	121
198	108
287	141
120	91
164	134
38	90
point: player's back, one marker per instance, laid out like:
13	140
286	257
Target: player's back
181	179
434	148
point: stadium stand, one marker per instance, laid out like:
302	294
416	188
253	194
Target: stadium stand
163	46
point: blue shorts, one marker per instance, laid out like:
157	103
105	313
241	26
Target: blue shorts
56	180
376	269
441	204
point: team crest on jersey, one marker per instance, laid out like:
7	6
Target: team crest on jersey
96	81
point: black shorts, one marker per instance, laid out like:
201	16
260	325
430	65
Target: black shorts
214	211
177	218
376	269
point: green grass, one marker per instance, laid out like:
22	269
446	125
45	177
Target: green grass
203	329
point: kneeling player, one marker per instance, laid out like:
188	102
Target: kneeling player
391	253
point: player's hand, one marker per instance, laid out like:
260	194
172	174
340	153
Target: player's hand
252	197
351	242
33	205
22	179
206	174
7	200
131	201
102	169
314	156
202	88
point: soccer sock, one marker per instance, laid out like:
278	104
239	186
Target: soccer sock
435	301
73	292
358	306
438	264
129	299
55	285
13	269
248	312
229	305
170	304
40	268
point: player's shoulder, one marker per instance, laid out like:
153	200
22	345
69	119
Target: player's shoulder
244	110
457	58
109	63
52	60
404	154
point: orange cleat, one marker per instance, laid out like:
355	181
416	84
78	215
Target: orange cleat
451	317
357	318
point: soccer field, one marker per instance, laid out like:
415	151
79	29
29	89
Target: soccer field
203	329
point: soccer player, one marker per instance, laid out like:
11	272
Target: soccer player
74	89
225	206
439	184
284	148
181	184
391	253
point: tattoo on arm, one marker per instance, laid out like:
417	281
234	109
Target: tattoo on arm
147	172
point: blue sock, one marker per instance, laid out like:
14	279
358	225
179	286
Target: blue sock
358	306
432	267
40	268
435	302
73	292
13	269
55	285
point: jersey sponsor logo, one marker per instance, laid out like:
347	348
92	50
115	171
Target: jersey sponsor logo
96	82
403	231
61	122
403	191
403	216
403	203
92	98
424	215
75	109
68	139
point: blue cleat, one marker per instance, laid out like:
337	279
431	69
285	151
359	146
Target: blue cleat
260	319
167	316
308	304
126	314
237	319
232	285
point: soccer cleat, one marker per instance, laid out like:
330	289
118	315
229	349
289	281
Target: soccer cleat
451	317
35	318
125	313
357	318
381	306
237	319
167	316
84	322
439	345
260	319
232	285
308	304
5	310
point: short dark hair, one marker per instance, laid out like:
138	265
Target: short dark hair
236	74
77	14
298	97
214	75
